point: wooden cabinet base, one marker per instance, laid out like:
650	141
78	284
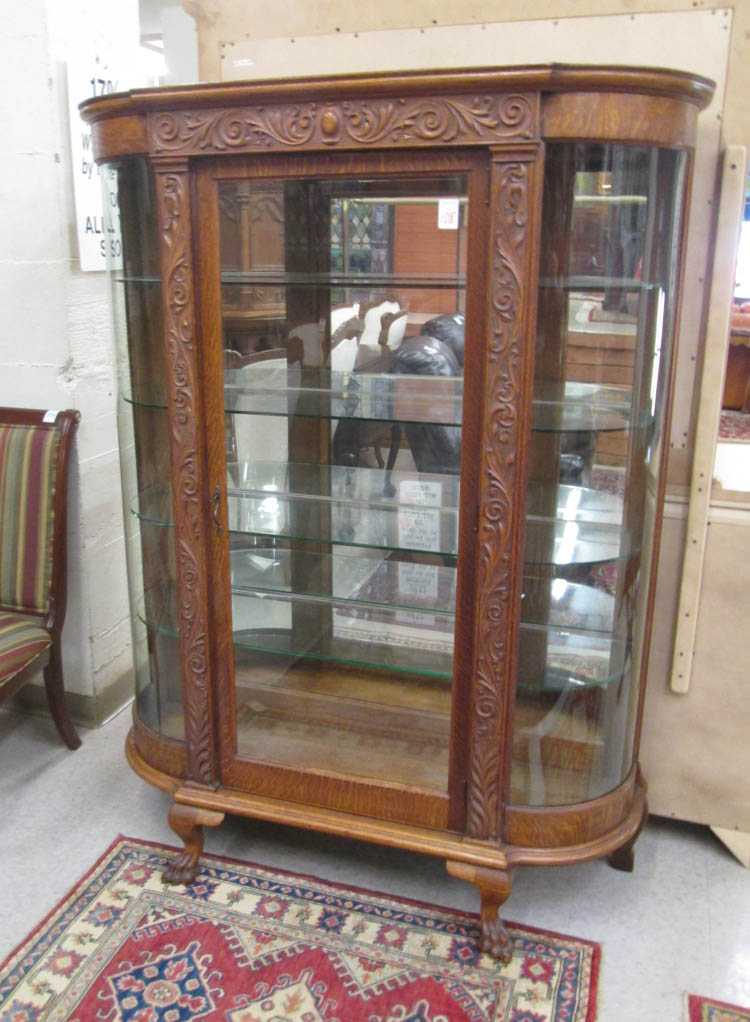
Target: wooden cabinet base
485	864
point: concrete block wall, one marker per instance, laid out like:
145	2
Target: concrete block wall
56	345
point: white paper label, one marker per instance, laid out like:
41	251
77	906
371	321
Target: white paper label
448	214
417	529
51	415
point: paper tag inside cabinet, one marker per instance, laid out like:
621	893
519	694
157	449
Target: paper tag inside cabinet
418	529
419	581
448	214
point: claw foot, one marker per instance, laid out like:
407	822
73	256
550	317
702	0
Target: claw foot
494	889
183	869
495	940
188	823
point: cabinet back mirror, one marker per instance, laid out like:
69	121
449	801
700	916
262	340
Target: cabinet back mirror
395	368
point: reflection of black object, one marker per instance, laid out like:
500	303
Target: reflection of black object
434	448
449	330
347	442
425	356
576	457
572	467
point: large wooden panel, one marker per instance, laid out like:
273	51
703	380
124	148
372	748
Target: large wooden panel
694	749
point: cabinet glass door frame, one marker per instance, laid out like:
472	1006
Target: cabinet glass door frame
338	791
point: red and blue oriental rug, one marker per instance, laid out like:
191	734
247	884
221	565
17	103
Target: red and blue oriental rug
249	944
704	1009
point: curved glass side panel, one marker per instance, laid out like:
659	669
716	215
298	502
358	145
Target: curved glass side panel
144	440
610	240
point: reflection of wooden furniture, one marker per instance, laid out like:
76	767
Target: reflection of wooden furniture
34	459
423	247
458	743
737	380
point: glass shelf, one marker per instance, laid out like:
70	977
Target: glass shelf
580	408
567	605
365	579
290	390
592	282
573	659
282	390
277	278
570	659
398	511
372	581
363	507
264	389
574	503
568	544
411	633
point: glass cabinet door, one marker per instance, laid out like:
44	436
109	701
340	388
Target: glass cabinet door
342	304
609	252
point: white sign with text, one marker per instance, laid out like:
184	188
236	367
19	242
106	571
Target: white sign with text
98	235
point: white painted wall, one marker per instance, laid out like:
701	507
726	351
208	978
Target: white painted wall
55	331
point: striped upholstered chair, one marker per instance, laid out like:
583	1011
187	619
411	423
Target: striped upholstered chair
34	452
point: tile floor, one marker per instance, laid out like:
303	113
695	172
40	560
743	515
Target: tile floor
680	923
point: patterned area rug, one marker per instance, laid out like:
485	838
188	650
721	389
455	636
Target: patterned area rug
703	1009
247	944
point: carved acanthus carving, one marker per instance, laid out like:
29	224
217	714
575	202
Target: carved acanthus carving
498	474
459	120
179	327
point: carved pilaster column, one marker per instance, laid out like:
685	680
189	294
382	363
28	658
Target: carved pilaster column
514	201
186	442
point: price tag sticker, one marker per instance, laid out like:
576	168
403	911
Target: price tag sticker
51	415
448	214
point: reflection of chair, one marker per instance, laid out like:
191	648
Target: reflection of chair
341	314
34	452
392	330
236	360
370	347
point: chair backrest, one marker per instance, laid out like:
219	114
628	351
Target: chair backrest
33	454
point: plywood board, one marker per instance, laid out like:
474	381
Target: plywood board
695	750
698	42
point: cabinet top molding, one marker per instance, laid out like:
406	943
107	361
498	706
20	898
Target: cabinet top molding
531	78
487	106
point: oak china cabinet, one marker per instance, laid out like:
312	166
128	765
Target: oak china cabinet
395	361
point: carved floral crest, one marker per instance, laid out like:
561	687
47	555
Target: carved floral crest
417	121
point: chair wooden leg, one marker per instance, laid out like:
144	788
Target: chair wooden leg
53	683
494	890
188	822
